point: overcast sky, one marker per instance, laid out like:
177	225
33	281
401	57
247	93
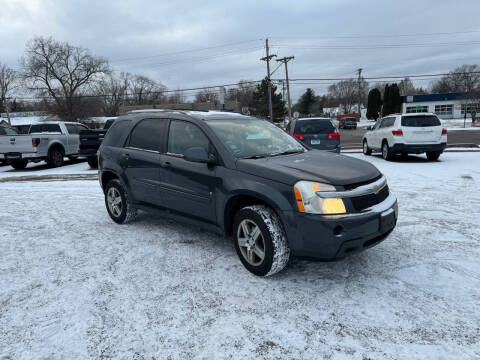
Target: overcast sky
329	38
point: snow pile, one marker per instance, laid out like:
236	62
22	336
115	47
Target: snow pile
76	285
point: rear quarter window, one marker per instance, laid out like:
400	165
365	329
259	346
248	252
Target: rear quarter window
314	127
117	134
420	121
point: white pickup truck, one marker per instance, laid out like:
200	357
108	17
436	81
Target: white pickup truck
49	141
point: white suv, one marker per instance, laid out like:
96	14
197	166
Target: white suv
406	134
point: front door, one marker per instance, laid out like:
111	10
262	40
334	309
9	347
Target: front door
188	187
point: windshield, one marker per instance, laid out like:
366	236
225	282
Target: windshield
420	121
247	138
317	126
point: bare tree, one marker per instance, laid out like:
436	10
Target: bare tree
62	71
243	93
146	91
177	97
345	93
8	82
113	92
465	78
207	95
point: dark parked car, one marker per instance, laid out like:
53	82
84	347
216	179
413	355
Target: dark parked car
90	141
245	178
317	133
347	123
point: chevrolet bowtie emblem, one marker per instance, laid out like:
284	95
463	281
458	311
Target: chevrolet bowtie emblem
376	189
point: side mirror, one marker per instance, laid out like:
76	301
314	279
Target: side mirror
199	155
370	127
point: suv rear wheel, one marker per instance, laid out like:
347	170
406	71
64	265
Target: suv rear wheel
433	155
260	240
386	152
118	203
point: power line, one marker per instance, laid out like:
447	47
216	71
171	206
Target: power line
377	46
375	36
186	51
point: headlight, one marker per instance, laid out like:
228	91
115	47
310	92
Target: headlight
309	200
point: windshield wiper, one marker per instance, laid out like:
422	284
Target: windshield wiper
255	156
288	152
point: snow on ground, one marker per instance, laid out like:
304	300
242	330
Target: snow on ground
76	285
41	169
458	124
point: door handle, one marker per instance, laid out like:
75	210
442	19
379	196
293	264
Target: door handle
126	156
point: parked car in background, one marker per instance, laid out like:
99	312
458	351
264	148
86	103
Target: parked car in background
317	133
90	141
404	134
49	141
347	123
246	178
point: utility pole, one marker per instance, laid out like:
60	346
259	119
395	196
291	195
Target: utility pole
285	60
267	59
359	71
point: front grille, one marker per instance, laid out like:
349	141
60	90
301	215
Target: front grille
365	201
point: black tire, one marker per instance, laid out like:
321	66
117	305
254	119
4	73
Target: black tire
433	155
93	162
275	246
19	164
127	211
55	157
387	153
366	149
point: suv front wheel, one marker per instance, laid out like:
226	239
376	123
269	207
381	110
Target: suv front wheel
260	240
118	203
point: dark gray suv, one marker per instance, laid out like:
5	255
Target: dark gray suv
245	178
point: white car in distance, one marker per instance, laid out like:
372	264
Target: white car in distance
404	134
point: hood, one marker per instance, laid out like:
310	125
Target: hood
313	165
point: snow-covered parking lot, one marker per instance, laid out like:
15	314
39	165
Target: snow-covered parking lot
75	285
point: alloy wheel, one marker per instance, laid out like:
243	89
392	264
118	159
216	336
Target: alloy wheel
114	201
251	242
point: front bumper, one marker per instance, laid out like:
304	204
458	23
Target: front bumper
418	148
329	237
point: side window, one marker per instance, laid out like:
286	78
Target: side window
378	124
147	134
183	135
9	131
117	134
81	128
72	129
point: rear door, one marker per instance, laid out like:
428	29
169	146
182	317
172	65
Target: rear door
421	129
73	138
188	187
374	137
141	160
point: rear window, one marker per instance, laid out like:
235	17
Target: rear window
420	121
7	131
350	120
314	127
45	128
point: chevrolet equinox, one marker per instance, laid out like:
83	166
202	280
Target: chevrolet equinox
245	178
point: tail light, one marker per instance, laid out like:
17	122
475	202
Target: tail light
333	136
299	136
444	131
35	142
397	132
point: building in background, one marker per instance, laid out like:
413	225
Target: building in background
445	106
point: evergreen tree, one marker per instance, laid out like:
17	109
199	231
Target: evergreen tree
306	102
387	101
260	101
374	104
396	99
